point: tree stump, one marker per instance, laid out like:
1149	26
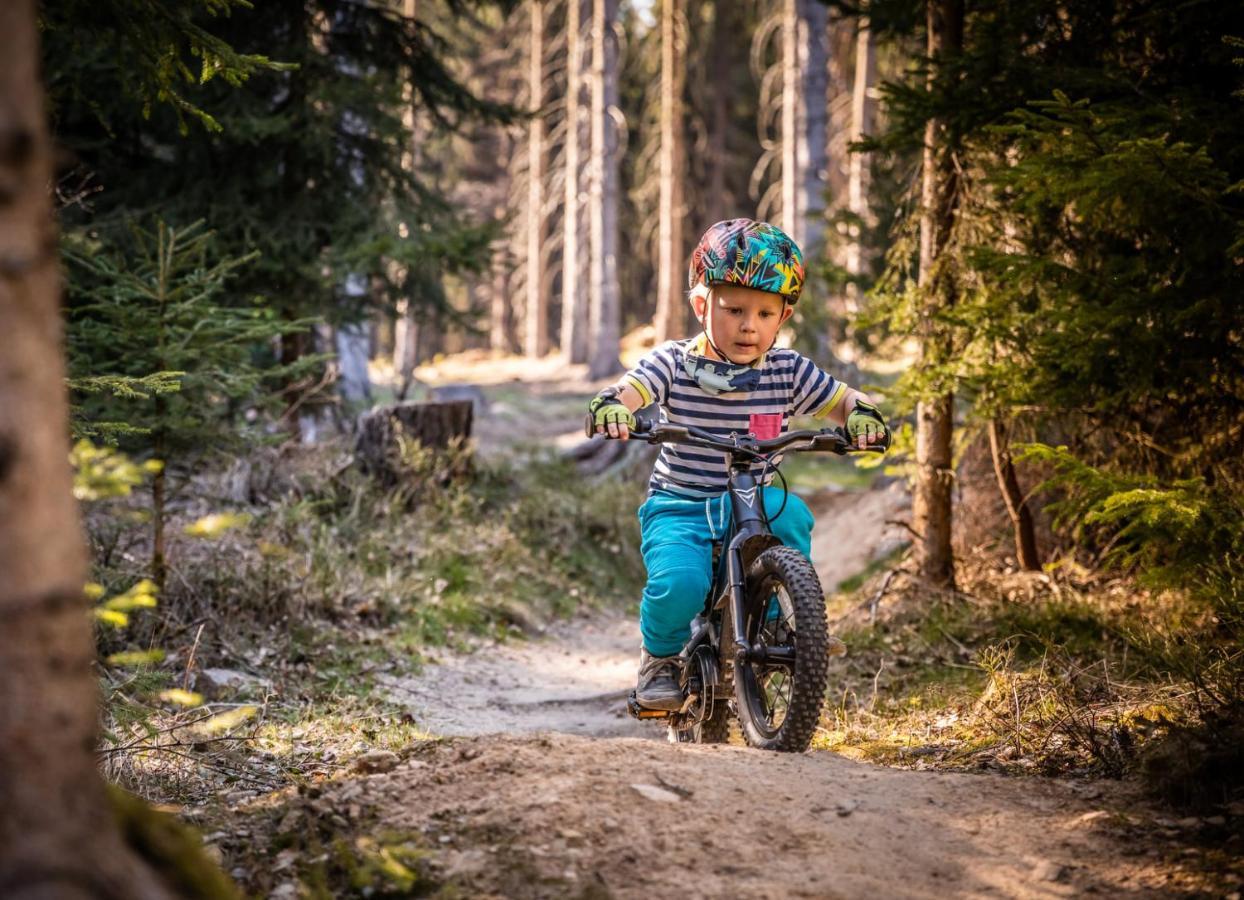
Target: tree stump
408	441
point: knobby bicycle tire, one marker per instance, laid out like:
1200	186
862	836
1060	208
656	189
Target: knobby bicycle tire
715	730
791	570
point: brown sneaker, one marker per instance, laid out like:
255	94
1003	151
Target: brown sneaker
658	682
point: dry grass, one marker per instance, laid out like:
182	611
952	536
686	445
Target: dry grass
332	583
1050	673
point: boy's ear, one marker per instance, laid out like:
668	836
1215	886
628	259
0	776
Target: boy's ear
699	305
787	312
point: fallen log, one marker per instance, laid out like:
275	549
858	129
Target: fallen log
598	457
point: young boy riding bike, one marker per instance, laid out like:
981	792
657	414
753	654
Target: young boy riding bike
745	277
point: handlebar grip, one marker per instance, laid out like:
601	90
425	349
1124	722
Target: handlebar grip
834	442
589	429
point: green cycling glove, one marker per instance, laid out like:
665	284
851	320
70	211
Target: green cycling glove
605	409
866	421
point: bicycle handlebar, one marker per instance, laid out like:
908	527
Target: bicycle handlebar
832	440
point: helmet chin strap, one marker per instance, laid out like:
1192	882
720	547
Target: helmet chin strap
708	334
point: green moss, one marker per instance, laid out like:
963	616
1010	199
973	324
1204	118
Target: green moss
171	848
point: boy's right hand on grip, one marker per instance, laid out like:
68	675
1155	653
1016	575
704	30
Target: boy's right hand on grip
607	415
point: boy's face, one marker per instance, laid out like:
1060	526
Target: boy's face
743	322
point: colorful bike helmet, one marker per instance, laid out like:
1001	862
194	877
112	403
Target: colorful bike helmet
749	253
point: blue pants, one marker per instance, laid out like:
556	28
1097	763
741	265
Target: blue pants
677	544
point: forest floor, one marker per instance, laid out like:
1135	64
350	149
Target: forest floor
527	779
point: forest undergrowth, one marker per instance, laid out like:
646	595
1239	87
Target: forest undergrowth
1066	671
257	667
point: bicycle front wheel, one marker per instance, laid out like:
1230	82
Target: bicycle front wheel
779	700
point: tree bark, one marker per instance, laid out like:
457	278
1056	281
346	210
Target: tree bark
811	151
791	214
605	324
353	346
536	333
58	834
499	303
862	110
717	200
671	258
1016	506
406	325
931	499
405	346
574	304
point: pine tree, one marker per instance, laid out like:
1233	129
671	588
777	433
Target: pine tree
1095	235
183	366
939	198
319	201
574	295
605	318
536	333
671	254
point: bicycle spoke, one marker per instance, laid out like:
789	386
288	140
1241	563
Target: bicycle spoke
773	626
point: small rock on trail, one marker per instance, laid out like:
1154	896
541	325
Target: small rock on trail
652	792
375	761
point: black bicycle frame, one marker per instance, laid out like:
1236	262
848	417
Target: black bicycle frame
748	535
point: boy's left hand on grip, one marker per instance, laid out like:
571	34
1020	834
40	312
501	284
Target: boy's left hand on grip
866	426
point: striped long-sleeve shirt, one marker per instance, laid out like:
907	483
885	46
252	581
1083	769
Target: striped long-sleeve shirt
790	385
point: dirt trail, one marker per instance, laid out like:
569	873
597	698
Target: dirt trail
544	788
566	816
549	790
574	678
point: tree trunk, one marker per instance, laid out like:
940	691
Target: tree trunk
406	325
159	449
791	214
605	326
536	333
862	108
1016	506
158	484
405	346
58	834
671	259
499	304
574	302
717	201
931	499
352	355
813	51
